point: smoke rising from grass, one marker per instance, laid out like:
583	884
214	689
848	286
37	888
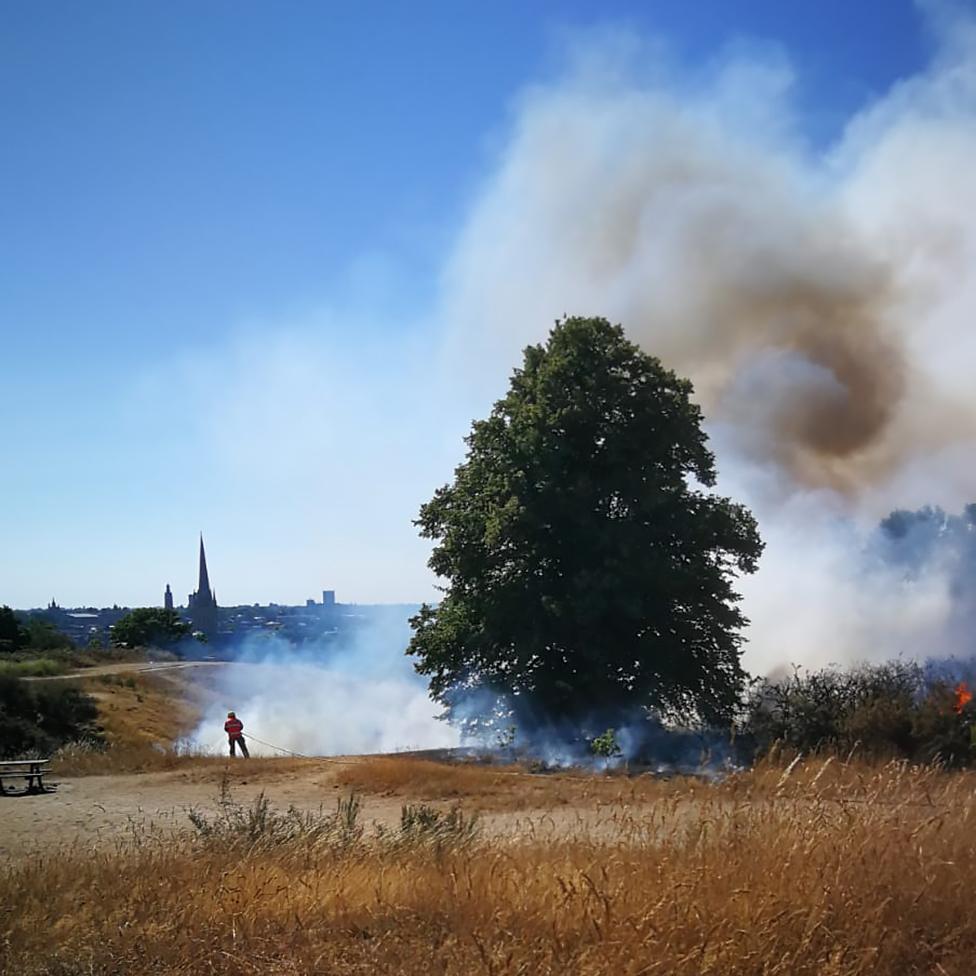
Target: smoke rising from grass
360	697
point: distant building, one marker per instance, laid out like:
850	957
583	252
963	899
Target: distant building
168	598
202	605
328	598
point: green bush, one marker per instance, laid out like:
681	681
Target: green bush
942	734
44	636
39	717
34	635
12	634
605	745
37	667
884	710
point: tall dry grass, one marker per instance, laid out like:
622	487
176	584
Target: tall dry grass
786	873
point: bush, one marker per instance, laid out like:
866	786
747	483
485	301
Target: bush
12	635
423	824
605	745
885	710
37	718
941	734
42	635
260	827
37	667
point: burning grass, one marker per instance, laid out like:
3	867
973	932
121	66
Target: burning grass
767	873
494	787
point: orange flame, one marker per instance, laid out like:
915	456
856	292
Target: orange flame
963	696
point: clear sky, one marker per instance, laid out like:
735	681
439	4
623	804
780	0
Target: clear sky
223	229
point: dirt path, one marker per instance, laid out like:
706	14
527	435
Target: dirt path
130	667
97	811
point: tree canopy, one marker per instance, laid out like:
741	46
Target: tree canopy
32	634
588	571
12	634
150	627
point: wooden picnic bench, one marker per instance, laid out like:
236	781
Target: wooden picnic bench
31	770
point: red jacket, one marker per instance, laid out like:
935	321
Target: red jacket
233	727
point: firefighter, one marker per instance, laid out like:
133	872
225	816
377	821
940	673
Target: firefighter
234	728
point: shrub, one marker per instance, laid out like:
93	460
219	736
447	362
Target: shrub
39	717
883	710
259	826
605	745
38	667
424	824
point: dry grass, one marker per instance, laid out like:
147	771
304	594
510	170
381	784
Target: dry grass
134	758
490	787
772	872
146	708
144	718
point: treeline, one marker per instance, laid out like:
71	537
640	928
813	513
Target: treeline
33	635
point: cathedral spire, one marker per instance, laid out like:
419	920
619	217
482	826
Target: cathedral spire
204	585
203	604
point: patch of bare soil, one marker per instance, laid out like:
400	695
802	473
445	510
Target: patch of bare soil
95	811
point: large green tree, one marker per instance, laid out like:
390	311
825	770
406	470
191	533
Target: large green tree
150	627
588	573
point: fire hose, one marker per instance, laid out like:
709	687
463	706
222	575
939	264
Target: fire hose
299	755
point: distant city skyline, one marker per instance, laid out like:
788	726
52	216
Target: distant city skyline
203	597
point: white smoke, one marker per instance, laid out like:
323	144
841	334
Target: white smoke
820	301
324	700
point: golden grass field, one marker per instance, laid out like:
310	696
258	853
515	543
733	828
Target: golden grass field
820	866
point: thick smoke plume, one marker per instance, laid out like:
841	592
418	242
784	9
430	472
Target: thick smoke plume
819	298
321	700
717	255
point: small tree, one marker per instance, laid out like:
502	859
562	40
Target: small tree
42	635
12	634
588	574
606	745
149	627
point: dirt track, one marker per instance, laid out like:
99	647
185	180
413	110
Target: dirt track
93	810
129	667
96	811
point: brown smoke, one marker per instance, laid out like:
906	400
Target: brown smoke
715	255
829	433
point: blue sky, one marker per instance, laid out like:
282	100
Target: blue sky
188	189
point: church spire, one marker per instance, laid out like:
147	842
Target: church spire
204	584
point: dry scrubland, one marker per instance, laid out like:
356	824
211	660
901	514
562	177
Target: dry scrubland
822	867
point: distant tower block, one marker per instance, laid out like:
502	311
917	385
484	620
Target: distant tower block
168	598
328	598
